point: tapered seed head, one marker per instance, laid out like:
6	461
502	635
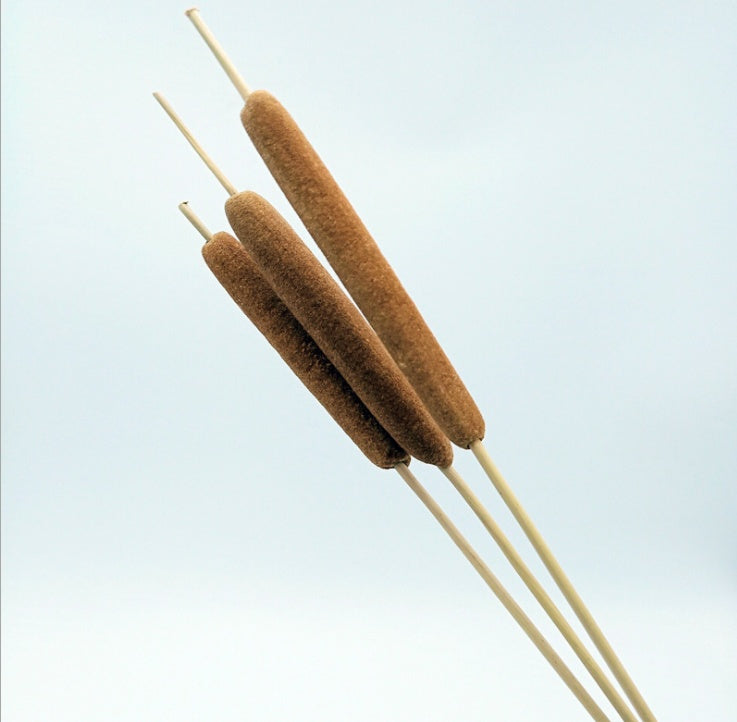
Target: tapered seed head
336	326
361	266
239	275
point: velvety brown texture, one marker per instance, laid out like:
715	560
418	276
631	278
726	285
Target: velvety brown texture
337	326
353	253
240	277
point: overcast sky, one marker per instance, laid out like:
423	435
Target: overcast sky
187	535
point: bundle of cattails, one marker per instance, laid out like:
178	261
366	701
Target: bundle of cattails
378	371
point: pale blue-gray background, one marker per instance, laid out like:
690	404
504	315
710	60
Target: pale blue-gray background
188	536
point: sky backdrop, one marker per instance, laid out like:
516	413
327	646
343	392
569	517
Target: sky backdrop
187	535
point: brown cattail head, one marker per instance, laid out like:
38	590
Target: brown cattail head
366	274
241	278
337	326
